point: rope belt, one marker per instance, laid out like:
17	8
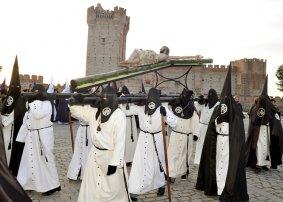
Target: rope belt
132	136
155	148
40	143
86	139
204	123
149	132
102	149
181	132
223	134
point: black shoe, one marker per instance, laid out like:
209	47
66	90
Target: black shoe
52	191
161	191
134	198
172	179
273	167
184	177
264	168
257	169
129	164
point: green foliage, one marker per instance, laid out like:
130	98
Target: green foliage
279	75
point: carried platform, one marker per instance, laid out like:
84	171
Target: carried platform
128	72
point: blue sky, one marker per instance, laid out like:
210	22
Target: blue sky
50	36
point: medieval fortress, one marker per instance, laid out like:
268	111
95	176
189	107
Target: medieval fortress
106	46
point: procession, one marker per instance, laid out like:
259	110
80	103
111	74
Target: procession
120	152
167	125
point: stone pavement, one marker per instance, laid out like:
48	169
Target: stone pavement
265	186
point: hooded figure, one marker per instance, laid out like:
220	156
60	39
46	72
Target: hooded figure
132	133
13	111
37	169
180	147
264	142
204	108
222	166
10	190
50	89
104	174
62	109
147	172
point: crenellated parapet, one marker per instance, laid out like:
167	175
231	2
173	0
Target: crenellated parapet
98	13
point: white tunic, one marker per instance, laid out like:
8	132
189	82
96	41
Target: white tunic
145	172
81	150
205	115
181	145
8	131
96	185
222	155
131	138
263	144
37	169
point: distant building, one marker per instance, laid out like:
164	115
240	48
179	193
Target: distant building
106	46
107	34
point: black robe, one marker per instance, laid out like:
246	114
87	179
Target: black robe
235	186
276	135
10	189
276	140
17	147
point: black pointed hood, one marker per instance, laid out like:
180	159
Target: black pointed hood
14	90
153	101
264	90
226	89
125	90
108	103
183	107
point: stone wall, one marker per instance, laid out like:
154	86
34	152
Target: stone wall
107	34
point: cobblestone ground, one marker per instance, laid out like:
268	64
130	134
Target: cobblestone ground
265	186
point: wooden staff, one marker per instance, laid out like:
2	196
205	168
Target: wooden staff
166	157
71	130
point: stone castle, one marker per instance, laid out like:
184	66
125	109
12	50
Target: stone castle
106	46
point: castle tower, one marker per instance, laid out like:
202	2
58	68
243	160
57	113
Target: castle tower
107	33
250	76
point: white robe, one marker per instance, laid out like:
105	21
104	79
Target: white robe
205	115
222	155
8	130
145	173
37	169
81	151
180	147
96	185
263	144
131	138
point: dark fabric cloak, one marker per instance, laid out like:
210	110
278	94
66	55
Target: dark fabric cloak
15	102
276	132
10	189
236	185
62	111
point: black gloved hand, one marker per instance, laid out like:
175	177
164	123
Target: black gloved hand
162	110
78	97
111	170
195	138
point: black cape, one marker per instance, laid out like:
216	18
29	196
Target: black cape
17	147
276	135
235	186
10	189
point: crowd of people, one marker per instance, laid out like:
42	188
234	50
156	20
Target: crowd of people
113	136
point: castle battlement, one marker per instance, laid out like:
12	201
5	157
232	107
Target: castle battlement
221	67
99	13
249	60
